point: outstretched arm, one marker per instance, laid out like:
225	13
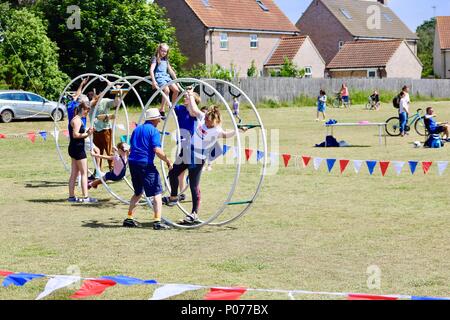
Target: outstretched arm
161	155
80	88
193	109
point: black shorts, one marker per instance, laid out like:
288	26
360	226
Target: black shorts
77	152
439	129
145	177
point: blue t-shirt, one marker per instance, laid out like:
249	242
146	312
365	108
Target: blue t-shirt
432	125
71	112
144	139
185	120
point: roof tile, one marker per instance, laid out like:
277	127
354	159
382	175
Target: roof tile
443	26
288	47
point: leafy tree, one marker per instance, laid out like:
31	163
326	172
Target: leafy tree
118	36
214	71
28	58
252	71
425	46
288	70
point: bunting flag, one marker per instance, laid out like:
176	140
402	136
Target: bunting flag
306	161
398	166
66	133
259	155
170	290
57	283
2	136
274	157
225	293
225	149
428	298
128	281
330	164
286	158
31	136
93	287
426	166
5	273
248	153
19	279
43	135
384	165
413	166
317	162
235	152
121	127
357	164
343	165
442	165
371	165
369	297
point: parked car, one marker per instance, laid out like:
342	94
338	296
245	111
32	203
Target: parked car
15	104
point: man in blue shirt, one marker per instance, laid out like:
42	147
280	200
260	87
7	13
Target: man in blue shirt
433	127
145	144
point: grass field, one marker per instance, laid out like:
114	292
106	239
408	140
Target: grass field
309	230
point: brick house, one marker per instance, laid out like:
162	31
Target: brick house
441	54
228	32
331	23
375	59
302	52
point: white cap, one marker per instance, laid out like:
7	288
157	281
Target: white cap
125	147
152	114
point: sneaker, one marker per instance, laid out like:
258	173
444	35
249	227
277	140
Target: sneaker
209	168
131	223
88	200
317	119
160	226
190	219
73	199
182	197
91	177
168	202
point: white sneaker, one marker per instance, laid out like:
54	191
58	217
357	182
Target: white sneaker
209	168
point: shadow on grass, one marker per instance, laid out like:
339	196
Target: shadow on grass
102	203
45	184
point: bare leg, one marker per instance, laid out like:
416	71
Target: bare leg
82	168
73	178
164	101
133	204
157	207
175	92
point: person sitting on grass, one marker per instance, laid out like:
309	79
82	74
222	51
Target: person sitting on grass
119	159
436	128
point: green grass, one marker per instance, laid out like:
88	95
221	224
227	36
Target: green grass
309	230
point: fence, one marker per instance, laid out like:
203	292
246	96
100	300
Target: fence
286	89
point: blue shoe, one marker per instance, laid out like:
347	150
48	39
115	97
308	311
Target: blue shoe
73	199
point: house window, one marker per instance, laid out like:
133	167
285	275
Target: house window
262	6
346	14
254	41
308	72
340	45
224	41
371	73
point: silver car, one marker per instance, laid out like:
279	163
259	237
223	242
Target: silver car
15	104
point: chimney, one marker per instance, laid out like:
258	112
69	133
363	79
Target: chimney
383	2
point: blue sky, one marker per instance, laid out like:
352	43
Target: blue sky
412	12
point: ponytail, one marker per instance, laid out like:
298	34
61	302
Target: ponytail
214	115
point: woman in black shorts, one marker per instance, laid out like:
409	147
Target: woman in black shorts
77	134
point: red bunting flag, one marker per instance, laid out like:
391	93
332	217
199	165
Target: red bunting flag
286	158
248	153
384	165
2	136
306	161
31	136
66	133
369	297
5	273
426	166
93	288
133	125
343	164
225	293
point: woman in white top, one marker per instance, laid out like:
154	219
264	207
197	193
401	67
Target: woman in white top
403	112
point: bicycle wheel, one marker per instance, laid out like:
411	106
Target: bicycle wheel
393	126
368	106
336	103
419	125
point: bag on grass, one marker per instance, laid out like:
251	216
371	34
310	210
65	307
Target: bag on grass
434	141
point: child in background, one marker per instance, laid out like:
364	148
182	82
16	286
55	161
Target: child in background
162	73
120	160
236	109
321	104
209	166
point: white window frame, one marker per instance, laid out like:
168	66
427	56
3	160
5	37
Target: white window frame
340	44
371	70
308	74
254	41
223	41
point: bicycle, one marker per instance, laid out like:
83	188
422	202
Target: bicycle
372	105
337	102
417	120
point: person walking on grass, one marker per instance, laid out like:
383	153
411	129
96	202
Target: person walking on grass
403	113
145	144
321	104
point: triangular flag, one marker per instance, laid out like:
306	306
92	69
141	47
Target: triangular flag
343	165
128	281
384	165
286	158
19	279
5	273
57	283
31	136
93	288
274	157
306	161
369	297
317	162
2	136
121	127
43	135
225	293
225	149
66	133
442	165
330	164
413	166
170	290
357	164
398	166
235	152
426	166
259	155
371	165
428	298
248	153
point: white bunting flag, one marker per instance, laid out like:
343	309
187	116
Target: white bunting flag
121	127
170	290
398	166
442	165
317	162
56	283
357	165
274	157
